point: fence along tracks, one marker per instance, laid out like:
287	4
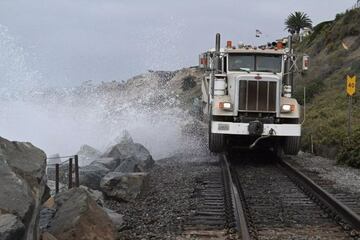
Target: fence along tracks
273	200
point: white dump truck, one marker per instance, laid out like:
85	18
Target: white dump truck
247	96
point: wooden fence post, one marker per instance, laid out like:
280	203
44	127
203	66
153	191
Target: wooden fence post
77	183
70	173
56	178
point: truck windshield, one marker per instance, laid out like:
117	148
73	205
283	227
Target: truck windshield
256	63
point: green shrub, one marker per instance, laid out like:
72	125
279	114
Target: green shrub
355	68
351	16
338	16
349	153
313	88
320	29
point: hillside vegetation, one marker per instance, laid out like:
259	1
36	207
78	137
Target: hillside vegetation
334	48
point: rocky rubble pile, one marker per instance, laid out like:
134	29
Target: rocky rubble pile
28	212
120	171
117	174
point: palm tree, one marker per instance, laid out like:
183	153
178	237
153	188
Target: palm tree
297	21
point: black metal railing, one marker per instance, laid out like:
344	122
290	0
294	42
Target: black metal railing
63	172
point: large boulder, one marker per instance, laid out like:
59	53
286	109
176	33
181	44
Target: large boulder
123	186
46	214
109	162
79	217
136	156
124	151
116	218
130	164
92	174
98	196
11	228
22	188
87	154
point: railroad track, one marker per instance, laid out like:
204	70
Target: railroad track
272	200
214	217
350	199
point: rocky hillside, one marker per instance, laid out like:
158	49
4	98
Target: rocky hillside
334	48
155	90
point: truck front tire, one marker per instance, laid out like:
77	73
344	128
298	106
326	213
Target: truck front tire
291	145
216	142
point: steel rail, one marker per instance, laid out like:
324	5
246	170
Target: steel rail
326	198
241	220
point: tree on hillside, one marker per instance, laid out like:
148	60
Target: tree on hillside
297	21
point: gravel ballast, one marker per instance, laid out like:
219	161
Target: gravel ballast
343	177
167	200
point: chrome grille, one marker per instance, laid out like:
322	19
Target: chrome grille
257	96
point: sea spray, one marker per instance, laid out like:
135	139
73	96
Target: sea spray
16	73
60	120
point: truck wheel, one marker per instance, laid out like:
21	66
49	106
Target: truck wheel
291	145
216	142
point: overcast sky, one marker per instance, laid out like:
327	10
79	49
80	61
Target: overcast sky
71	41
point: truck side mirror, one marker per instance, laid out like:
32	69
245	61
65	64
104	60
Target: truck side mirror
305	62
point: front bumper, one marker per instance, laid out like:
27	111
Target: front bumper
242	129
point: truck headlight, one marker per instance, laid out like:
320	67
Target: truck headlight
286	108
225	106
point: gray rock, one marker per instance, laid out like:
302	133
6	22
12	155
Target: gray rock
128	155
46	214
22	188
134	153
87	154
116	218
95	194
25	158
15	194
143	155
108	162
123	186
130	164
92	174
79	217
125	138
47	236
11	228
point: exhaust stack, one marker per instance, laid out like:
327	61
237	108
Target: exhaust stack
217	53
217	43
289	88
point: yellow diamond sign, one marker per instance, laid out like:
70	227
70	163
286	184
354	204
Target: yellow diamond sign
350	85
